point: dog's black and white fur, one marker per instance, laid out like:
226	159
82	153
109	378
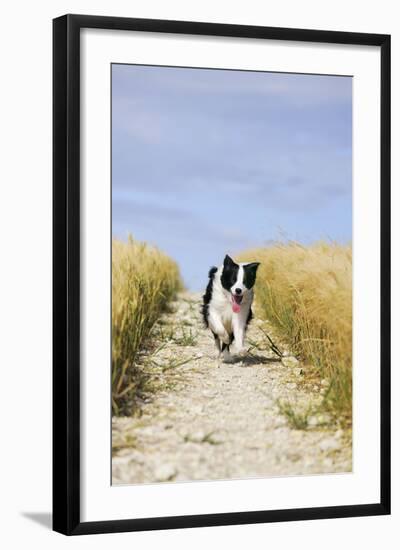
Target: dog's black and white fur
227	303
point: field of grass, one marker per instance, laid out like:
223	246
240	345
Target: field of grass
144	280
306	292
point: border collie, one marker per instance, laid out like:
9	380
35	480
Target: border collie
227	303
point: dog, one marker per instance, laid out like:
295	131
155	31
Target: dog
227	304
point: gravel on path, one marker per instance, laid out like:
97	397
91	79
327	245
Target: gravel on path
212	420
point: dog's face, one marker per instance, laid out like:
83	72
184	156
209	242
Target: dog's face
237	280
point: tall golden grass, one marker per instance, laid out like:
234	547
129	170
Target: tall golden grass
144	280
306	292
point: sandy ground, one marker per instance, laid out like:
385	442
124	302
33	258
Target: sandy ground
211	420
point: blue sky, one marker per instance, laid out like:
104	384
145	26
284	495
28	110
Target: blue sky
209	162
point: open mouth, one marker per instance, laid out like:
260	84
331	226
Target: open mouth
236	302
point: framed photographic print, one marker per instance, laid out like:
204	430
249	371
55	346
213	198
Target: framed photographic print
221	274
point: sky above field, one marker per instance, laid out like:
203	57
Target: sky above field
209	162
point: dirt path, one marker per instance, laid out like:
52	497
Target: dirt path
211	420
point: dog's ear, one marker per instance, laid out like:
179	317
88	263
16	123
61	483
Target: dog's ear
253	266
228	261
250	272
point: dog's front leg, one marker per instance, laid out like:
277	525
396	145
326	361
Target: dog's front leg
218	328
238	325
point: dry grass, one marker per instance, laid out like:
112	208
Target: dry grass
306	292
144	280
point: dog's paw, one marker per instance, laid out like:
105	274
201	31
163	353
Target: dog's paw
227	358
225	338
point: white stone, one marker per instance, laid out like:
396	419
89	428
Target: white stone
290	361
165	472
330	444
312	421
197	437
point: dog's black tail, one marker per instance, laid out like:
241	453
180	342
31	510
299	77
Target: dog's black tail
208	294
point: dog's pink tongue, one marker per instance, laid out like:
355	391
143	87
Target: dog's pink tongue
235	307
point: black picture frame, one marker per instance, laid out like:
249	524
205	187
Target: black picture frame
66	273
